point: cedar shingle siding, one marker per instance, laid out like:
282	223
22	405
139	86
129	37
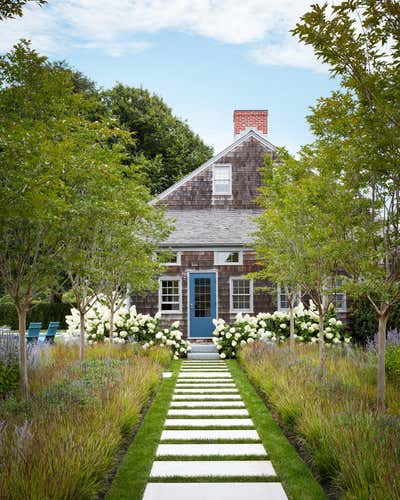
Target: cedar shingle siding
205	223
246	161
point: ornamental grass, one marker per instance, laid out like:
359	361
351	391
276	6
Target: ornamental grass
63	441
353	449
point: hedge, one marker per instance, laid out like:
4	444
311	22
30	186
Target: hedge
43	312
365	322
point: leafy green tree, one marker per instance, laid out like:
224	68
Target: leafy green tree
272	236
13	8
357	130
300	240
135	230
59	172
169	145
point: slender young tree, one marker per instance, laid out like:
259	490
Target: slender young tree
301	233
128	246
358	129
272	237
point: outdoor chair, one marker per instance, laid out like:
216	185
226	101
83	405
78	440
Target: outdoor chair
33	333
51	332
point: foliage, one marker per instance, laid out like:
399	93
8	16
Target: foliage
301	233
13	8
358	140
166	142
392	362
351	445
159	353
42	312
9	370
77	418
129	326
53	161
274	328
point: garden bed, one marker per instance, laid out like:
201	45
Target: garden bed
352	448
64	440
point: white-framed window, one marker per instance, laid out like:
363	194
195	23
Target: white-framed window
241	294
338	296
170	295
283	299
228	258
173	259
222	179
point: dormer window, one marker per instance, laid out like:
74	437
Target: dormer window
222	180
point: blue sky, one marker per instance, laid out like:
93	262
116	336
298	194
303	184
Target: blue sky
204	57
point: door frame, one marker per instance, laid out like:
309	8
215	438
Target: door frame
198	271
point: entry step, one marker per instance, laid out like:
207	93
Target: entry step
203	355
203	348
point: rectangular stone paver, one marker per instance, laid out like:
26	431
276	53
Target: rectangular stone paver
200	468
205	390
215	491
204	396
217	412
212	434
211	449
200	375
210	404
208	422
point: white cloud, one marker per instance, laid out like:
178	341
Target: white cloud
288	53
116	27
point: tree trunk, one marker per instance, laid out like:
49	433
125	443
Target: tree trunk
111	323
23	364
81	336
321	345
292	340
383	317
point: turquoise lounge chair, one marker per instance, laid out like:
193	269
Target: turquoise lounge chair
33	333
51	332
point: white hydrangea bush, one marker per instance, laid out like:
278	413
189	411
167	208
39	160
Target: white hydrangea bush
129	326
275	327
170	337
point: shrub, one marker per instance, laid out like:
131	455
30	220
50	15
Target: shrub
275	328
392	362
42	312
129	326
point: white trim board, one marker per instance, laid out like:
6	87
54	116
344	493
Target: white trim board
251	134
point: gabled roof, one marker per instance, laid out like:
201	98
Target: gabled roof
250	134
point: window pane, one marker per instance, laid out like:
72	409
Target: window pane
222	258
222	173
241	294
170	300
202	297
222	180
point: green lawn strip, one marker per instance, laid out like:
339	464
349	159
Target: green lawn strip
131	478
296	477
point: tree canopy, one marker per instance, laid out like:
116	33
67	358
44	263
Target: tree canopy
13	8
166	144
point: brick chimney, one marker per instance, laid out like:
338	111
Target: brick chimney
250	119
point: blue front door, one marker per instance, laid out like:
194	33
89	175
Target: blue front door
203	307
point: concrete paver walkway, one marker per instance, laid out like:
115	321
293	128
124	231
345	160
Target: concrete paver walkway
208	433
